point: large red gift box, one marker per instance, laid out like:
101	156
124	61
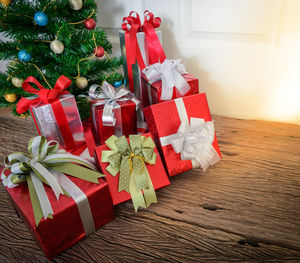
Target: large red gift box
157	173
66	228
126	121
164	119
152	92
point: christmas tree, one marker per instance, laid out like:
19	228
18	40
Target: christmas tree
48	39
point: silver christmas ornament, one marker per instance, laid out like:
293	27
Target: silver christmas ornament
57	47
75	4
81	82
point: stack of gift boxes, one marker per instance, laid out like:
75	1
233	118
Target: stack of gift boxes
139	135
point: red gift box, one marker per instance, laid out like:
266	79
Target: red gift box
164	119
66	228
126	121
157	173
152	92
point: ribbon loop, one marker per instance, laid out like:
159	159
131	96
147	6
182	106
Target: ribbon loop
170	73
131	160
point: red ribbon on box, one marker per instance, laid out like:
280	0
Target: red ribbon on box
49	96
132	25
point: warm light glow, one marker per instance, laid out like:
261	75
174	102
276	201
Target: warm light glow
284	100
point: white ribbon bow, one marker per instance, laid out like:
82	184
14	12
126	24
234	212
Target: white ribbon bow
194	142
170	73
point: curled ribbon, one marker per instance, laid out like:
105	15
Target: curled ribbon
131	162
132	25
170	73
49	96
107	95
45	163
194	142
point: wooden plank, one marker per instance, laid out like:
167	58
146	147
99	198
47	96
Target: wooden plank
245	208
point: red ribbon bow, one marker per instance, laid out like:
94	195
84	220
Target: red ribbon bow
49	96
44	95
132	25
134	19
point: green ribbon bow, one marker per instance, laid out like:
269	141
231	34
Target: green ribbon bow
131	161
44	164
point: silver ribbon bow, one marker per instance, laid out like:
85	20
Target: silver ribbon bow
108	97
194	142
170	73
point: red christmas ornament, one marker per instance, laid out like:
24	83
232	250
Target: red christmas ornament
90	23
99	51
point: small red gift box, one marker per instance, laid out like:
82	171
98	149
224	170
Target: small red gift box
157	173
170	122
126	121
66	228
152	92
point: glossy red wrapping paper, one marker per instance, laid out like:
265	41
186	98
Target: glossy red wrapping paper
157	173
163	120
156	87
65	229
128	122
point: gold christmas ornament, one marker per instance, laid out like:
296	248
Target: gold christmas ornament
5	2
11	97
17	82
81	82
57	46
24	115
75	4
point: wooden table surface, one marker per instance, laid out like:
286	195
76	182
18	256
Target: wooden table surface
246	208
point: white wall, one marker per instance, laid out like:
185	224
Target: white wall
245	52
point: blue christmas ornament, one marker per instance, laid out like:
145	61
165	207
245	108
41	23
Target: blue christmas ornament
40	18
24	56
117	84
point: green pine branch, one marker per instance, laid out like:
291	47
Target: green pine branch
16	22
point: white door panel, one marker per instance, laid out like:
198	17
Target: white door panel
245	52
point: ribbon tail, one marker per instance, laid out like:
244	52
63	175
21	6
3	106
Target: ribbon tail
24	104
149	193
136	196
77	171
40	203
125	176
43	172
81	201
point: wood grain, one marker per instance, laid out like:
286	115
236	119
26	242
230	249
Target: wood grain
244	209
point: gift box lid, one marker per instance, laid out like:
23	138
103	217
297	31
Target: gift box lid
165	118
189	78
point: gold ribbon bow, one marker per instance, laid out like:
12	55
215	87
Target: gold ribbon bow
131	161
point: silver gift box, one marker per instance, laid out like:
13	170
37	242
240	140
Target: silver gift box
47	125
142	42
